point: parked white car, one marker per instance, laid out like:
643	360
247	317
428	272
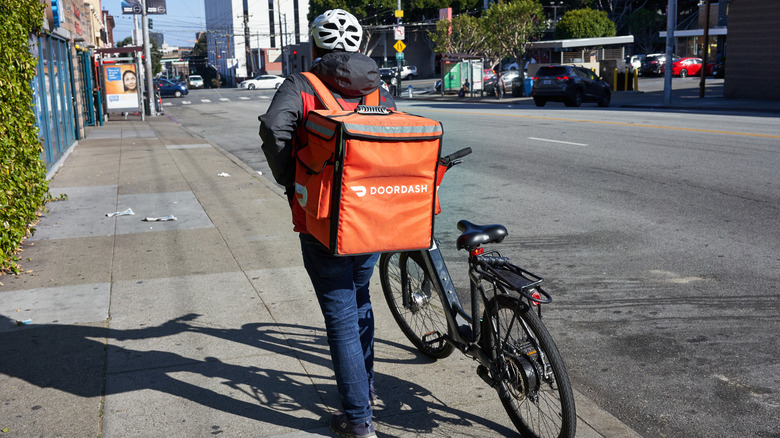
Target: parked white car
262	82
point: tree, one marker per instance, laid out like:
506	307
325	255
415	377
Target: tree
645	25
154	50
510	26
585	23
461	35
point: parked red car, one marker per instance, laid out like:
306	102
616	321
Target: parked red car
684	67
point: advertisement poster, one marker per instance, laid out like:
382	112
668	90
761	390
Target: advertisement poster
152	7
121	86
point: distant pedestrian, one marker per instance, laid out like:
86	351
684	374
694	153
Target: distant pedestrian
464	89
499	86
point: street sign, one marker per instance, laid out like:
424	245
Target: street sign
399	32
399	46
399	56
399	13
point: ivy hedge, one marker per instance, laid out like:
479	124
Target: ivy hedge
23	186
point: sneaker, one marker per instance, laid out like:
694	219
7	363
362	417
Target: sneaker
340	425
376	402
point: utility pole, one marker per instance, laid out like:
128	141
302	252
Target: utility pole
704	58
286	53
278	31
671	23
148	54
219	59
250	61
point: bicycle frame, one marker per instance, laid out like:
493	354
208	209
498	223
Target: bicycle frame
464	329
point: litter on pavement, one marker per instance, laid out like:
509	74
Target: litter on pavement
159	219
128	212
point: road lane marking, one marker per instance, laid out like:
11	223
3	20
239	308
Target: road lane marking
224	99
602	122
167	104
244	98
557	141
185	102
206	100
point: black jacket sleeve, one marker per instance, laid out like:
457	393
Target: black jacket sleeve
278	127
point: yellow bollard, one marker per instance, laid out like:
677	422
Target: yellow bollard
614	80
625	80
636	81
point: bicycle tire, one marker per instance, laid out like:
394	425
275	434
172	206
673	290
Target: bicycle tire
404	273
547	411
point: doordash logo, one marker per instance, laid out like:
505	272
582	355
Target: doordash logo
362	191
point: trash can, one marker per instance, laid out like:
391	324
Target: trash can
528	83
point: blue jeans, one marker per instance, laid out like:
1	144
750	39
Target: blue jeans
341	284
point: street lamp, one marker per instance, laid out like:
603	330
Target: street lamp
555	7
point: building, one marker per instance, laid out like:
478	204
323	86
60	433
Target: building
247	38
753	41
64	83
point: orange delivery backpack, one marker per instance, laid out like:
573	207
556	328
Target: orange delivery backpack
367	178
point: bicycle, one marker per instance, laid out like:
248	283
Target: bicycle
516	354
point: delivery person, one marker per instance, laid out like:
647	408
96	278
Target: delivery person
340	282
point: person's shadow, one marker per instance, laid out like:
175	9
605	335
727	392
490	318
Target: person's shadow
69	358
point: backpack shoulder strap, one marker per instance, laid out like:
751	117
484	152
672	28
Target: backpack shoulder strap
372	99
325	96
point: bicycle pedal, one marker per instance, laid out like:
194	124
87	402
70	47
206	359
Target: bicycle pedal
437	338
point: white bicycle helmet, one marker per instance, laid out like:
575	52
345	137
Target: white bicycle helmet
337	29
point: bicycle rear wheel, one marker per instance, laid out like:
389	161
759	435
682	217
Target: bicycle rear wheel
415	302
532	381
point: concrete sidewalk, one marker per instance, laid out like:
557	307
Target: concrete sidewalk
202	326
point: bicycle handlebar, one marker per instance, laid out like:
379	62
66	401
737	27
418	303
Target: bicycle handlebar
455	155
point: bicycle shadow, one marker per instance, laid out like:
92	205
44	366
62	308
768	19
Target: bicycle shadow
75	359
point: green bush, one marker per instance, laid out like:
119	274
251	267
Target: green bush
23	186
585	23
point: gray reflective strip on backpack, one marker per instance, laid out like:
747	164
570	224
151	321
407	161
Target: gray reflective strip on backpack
315	127
354	128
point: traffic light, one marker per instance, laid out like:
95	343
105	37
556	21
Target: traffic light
295	54
151	24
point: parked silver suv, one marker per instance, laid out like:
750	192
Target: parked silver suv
408	72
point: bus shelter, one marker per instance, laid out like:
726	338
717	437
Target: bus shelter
461	72
121	82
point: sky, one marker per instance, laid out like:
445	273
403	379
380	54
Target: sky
184	19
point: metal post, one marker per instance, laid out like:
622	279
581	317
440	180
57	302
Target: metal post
148	55
398	22
704	58
671	23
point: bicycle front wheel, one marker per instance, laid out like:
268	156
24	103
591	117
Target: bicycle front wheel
415	302
532	381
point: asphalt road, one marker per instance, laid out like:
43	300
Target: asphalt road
657	233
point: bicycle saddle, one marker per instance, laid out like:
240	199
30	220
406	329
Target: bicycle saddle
475	235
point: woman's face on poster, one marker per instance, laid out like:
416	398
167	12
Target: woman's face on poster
129	80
